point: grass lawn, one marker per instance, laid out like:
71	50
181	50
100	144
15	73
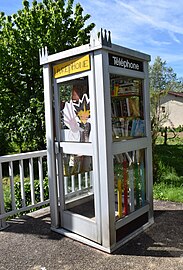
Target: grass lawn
169	182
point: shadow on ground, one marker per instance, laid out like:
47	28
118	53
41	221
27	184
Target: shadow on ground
163	239
37	223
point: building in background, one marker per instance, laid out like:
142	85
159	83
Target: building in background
171	105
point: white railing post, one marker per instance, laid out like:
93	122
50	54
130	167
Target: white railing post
91	180
12	185
21	170
73	182
79	181
66	184
31	171
3	223
86	179
40	166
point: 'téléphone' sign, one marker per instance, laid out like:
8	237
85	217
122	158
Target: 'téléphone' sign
126	63
71	67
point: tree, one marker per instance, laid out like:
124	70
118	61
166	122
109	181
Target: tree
52	23
162	80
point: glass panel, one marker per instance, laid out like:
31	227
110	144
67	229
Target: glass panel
75	110
126	108
129	182
78	184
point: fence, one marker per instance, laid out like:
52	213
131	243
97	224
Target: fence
22	170
28	167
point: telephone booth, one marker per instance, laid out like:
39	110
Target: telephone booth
98	142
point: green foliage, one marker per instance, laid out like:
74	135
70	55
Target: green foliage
27	188
162	80
52	23
166	193
7	194
178	129
168	171
178	140
169	159
4	146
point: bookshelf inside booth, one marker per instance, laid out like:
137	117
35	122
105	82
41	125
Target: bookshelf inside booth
126	108
129	182
127	116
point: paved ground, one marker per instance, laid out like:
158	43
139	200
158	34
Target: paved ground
28	244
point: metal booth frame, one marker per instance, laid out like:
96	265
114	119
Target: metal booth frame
119	182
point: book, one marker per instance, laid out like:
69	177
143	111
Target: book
122	87
124	108
134	106
120	107
138	128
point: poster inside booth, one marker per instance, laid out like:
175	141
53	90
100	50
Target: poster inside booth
75	122
75	111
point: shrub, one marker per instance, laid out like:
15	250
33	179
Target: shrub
27	189
4	145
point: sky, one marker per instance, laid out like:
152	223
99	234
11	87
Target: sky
149	26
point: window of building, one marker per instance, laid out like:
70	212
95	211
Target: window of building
163	109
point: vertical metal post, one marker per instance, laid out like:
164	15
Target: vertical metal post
105	151
148	156
58	153
95	173
48	96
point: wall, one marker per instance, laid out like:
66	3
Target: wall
174	108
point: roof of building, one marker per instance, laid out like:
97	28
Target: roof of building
176	94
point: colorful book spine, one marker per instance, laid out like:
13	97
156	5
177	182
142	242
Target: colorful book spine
142	179
120	213
131	189
137	129
125	178
136	173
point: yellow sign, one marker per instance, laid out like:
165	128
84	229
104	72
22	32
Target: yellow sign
73	66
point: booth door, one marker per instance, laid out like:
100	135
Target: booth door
77	161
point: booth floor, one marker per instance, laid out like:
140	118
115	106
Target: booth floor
86	209
28	243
